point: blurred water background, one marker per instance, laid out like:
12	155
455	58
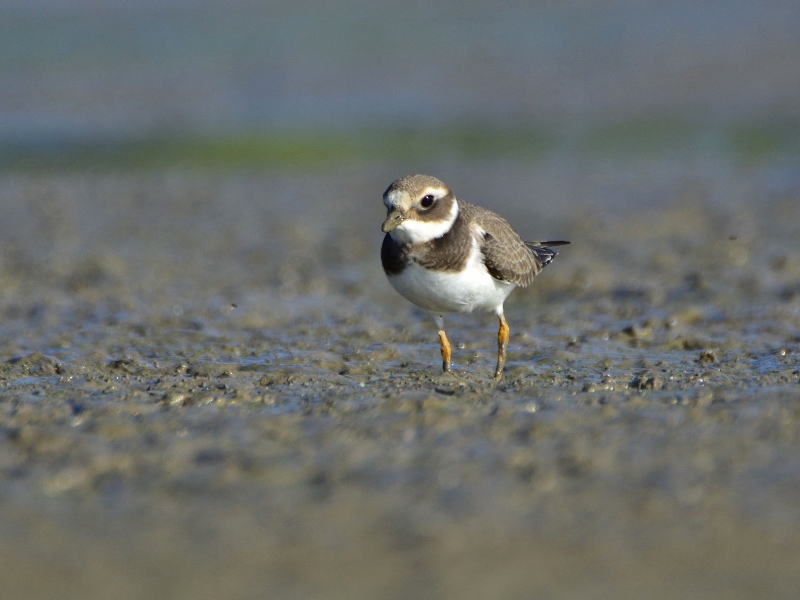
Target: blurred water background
102	83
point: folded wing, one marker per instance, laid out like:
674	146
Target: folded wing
506	256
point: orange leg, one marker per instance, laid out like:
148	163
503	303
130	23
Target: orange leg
445	351
502	344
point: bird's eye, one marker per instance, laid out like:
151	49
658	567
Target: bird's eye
427	201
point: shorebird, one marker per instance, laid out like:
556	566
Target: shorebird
448	256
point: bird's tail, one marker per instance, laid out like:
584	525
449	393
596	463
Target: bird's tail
543	252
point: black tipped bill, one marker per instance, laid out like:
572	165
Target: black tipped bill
392	221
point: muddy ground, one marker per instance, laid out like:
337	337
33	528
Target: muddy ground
208	390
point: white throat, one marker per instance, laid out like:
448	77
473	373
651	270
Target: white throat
412	231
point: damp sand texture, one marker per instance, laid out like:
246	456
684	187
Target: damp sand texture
206	395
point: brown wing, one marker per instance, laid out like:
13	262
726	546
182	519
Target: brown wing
506	256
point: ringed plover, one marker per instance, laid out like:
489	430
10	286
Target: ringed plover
448	256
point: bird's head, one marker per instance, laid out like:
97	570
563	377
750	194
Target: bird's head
420	208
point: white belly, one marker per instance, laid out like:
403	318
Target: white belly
440	293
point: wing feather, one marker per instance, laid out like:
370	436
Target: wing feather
506	256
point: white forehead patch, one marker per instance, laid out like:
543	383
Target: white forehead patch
392	199
412	231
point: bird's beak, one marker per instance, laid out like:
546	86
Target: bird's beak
392	221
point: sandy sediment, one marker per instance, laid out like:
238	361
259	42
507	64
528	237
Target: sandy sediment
207	387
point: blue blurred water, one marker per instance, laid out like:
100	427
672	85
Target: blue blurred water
86	69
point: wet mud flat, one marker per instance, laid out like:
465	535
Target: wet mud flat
207	389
